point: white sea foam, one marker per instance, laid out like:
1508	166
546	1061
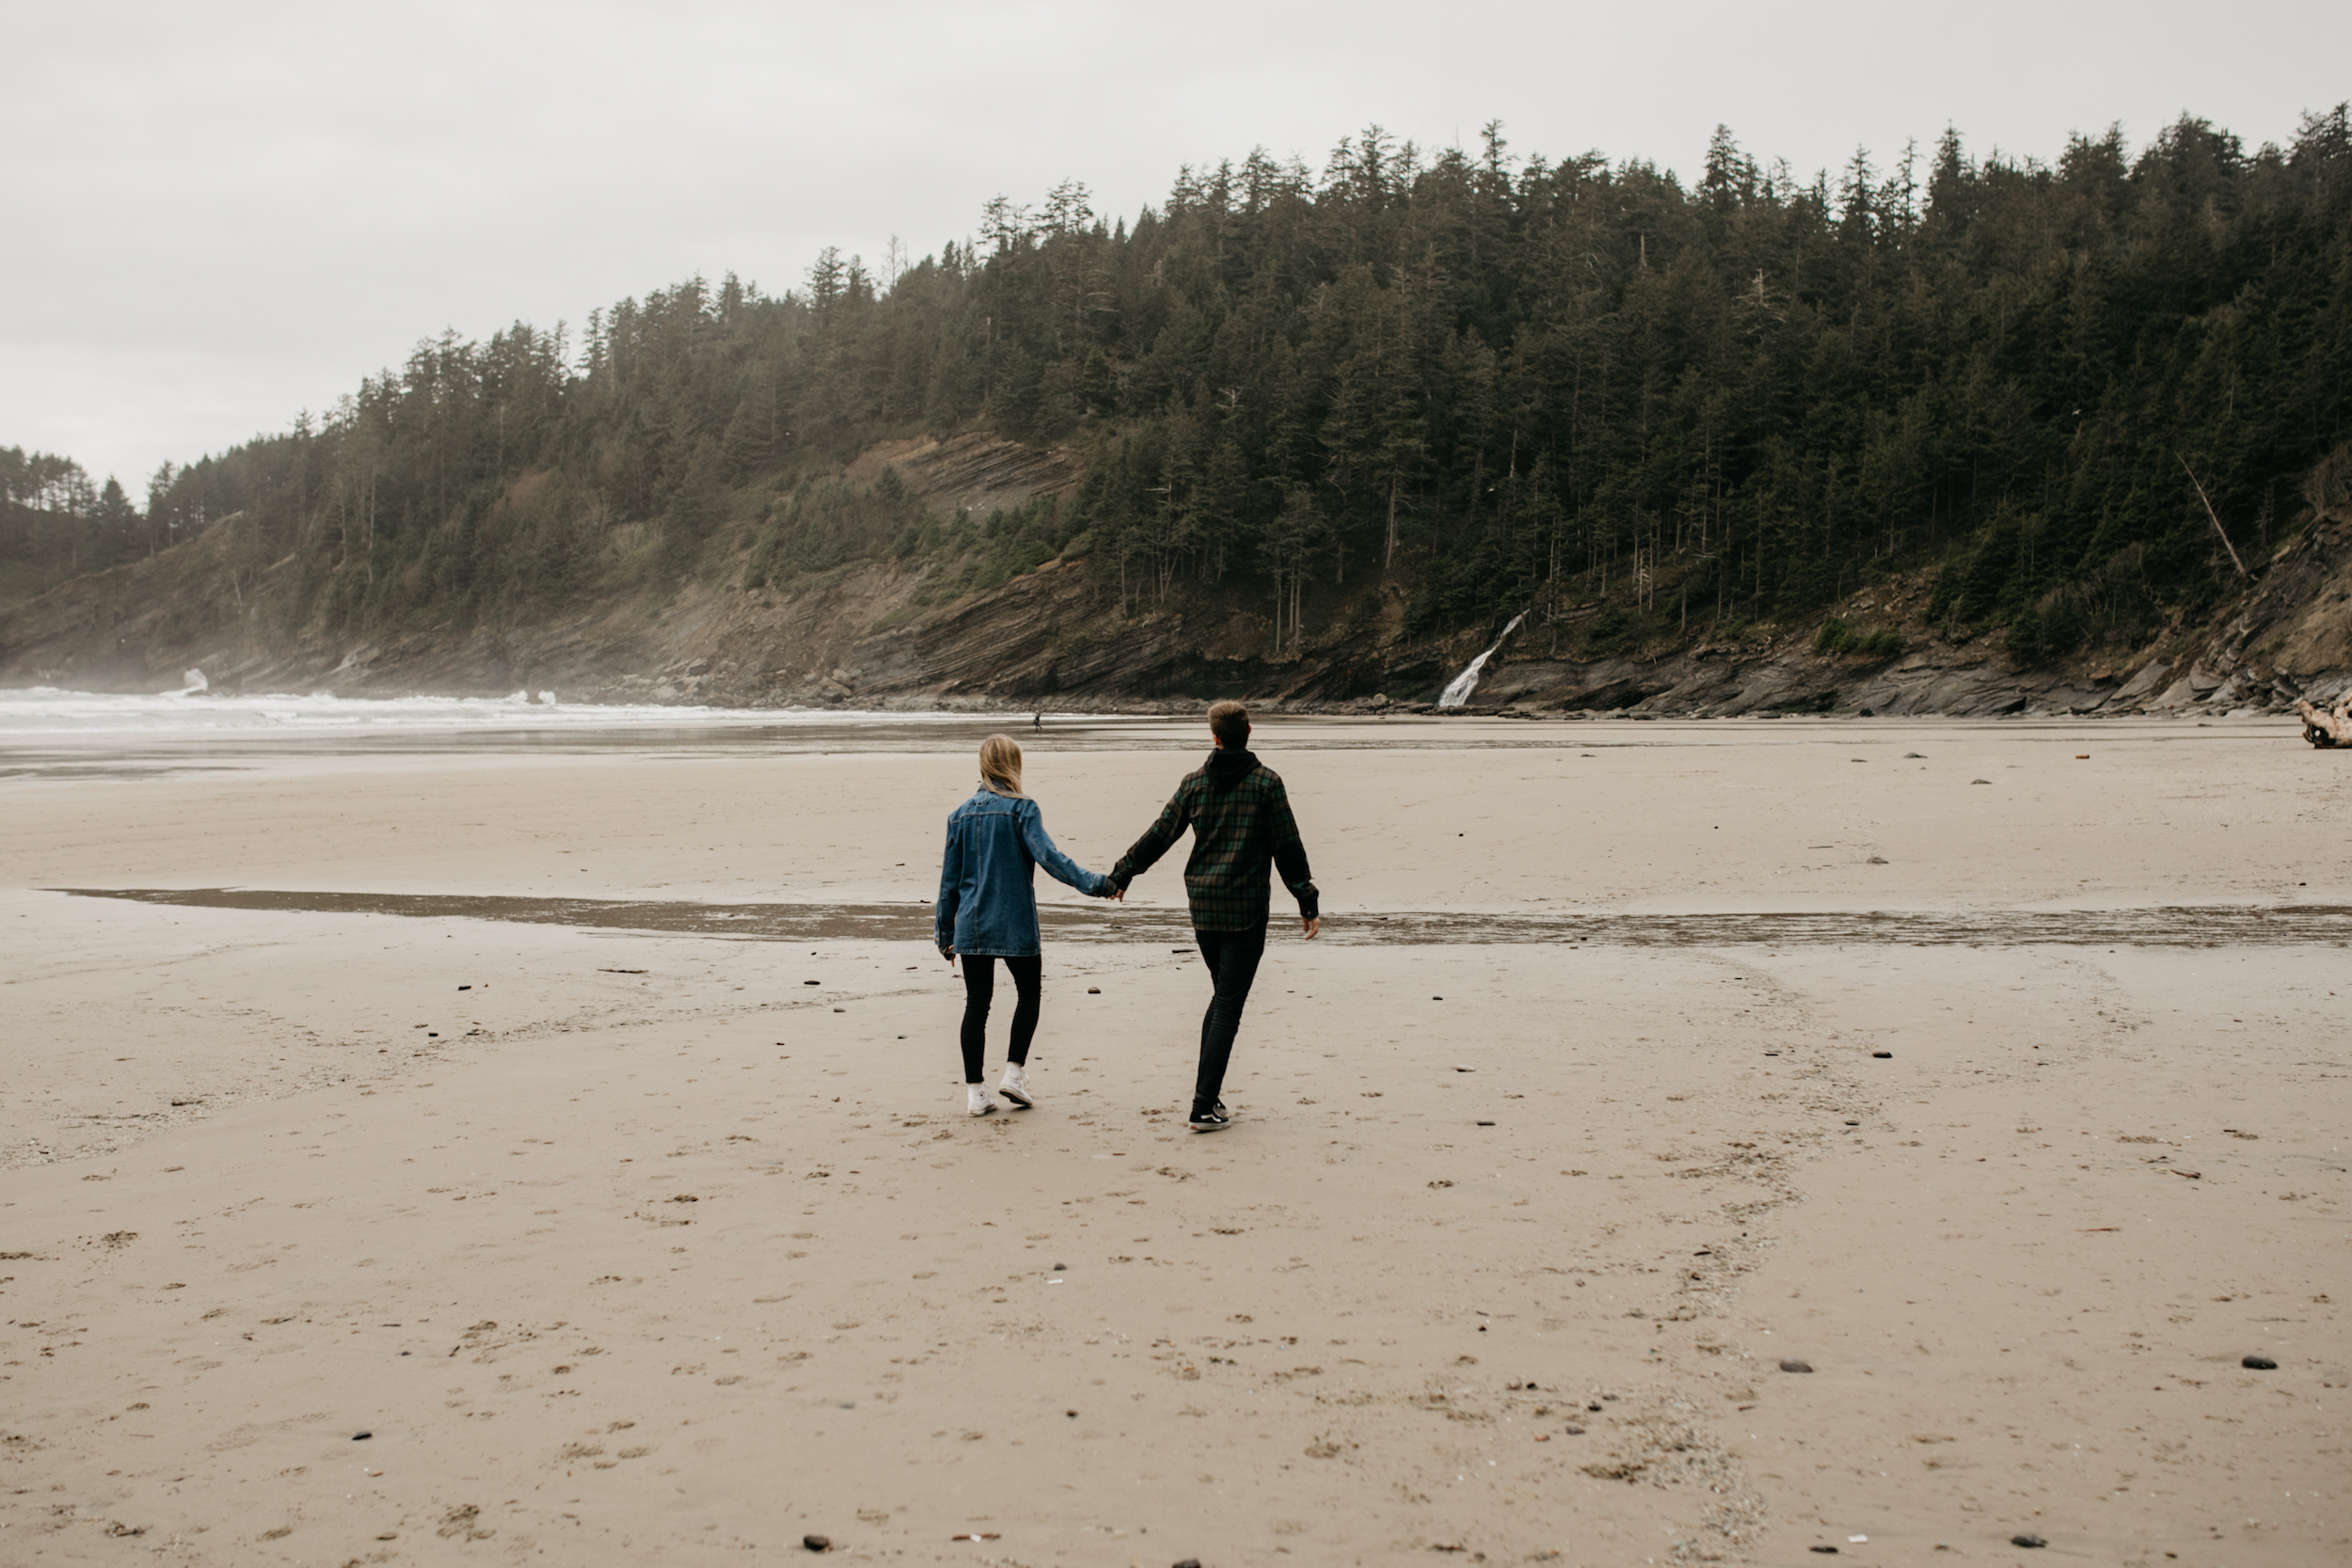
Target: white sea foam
47	713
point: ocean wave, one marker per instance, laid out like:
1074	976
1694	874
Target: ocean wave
51	713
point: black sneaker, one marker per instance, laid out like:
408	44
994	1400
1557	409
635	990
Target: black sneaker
1210	1120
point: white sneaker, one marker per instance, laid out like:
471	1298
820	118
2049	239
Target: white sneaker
1016	1085
977	1100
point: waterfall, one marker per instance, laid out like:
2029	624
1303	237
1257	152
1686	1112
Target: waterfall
1458	691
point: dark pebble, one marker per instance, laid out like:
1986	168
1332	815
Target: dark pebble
2027	1540
1796	1366
2260	1363
1912	756
1058	1267
813	983
1884	1056
1072	1414
465	987
1854	1124
1094	991
1437	999
1830	1550
361	1437
818	1542
1593	1407
1190	1562
1486	1124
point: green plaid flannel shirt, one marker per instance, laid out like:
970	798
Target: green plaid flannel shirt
1237	833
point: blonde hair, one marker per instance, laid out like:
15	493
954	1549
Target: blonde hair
1000	764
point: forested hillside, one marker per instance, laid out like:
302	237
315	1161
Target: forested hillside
2065	395
54	524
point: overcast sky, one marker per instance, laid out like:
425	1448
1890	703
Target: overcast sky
220	214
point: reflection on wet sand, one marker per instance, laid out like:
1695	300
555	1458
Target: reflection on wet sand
2173	925
136	755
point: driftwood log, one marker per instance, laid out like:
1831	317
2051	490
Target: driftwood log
2325	727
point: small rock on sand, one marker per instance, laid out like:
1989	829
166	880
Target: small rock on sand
1796	1366
2260	1364
818	1542
2027	1540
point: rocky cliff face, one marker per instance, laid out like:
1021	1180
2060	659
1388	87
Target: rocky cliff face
860	637
2287	635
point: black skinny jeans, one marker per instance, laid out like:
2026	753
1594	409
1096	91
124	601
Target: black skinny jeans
1232	959
980	988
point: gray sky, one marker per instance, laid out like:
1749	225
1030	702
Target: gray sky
223	213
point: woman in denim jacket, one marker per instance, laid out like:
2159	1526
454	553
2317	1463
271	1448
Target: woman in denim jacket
987	911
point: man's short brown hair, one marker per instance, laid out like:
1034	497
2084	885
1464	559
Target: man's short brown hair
1230	722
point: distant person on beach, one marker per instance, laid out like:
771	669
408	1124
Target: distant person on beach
1240	818
987	911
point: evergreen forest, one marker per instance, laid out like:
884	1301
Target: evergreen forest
2072	390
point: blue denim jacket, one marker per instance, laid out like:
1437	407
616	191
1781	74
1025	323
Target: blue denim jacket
987	901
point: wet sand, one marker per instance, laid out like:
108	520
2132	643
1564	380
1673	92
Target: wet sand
664	1238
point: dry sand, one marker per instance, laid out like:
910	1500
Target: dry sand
673	1245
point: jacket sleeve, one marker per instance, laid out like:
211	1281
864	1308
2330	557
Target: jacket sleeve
950	890
1055	864
1174	818
1290	855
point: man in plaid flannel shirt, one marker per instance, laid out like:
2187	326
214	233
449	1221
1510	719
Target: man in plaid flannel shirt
1240	819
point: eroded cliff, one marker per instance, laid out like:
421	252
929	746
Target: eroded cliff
866	634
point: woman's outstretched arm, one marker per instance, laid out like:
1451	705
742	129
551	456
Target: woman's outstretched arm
1056	865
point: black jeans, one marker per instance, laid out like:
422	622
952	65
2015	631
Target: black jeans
1232	959
980	988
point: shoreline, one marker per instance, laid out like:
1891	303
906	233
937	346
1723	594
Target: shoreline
625	1240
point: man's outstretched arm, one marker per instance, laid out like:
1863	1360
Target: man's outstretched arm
1156	841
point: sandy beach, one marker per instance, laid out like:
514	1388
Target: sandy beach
552	1150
